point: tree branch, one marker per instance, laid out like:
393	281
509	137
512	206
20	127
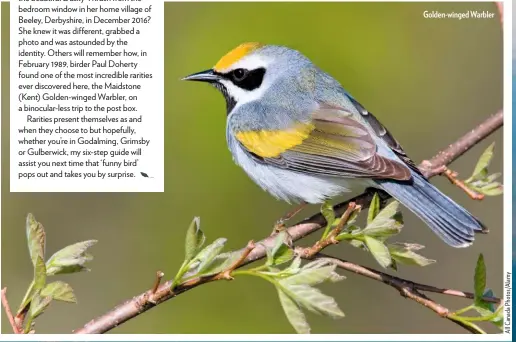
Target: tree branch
149	299
392	280
409	289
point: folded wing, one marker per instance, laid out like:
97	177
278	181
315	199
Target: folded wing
332	144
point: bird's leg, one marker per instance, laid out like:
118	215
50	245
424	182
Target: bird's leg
279	226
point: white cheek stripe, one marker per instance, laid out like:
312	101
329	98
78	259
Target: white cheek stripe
243	96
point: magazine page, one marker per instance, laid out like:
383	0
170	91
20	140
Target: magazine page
256	170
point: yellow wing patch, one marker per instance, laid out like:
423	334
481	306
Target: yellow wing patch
269	144
236	54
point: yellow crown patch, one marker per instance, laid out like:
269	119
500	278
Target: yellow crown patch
236	54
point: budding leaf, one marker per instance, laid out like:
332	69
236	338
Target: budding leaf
313	276
194	239
206	256
480	171
379	251
59	290
328	213
280	253
35	238
313	299
498	319
404	254
321	263
294	266
295	316
27	298
70	259
39	304
220	263
40	274
374	208
494	189
388	222
480	279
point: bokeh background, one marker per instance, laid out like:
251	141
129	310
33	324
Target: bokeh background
428	80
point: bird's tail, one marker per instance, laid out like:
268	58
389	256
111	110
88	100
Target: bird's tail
452	223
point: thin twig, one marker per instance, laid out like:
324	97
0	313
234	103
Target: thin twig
157	281
408	289
8	312
227	273
151	298
331	239
430	168
452	177
433	166
387	279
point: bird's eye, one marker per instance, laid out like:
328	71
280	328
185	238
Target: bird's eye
239	74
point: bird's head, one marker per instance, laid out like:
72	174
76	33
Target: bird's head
246	72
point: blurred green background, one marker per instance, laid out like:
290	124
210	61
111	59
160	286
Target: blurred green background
428	80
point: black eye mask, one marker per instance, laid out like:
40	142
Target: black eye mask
245	79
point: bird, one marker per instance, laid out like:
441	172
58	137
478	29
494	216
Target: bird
304	139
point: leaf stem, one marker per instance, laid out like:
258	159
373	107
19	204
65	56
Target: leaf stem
463	310
473	327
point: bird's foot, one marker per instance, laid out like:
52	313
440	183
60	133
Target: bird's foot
280	225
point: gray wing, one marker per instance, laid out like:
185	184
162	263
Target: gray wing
385	135
338	146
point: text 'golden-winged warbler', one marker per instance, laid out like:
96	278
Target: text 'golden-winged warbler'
300	136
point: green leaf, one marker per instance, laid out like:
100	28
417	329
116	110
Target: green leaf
379	251
480	279
357	244
498	319
480	171
59	290
294	266
388	222
40	274
493	177
495	190
482	310
27	298
35	238
313	276
486	309
220	263
194	239
280	253
374	208
206	256
70	259
329	215
295	316
39	304
313	299
404	254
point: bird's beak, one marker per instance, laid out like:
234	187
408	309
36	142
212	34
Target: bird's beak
203	76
